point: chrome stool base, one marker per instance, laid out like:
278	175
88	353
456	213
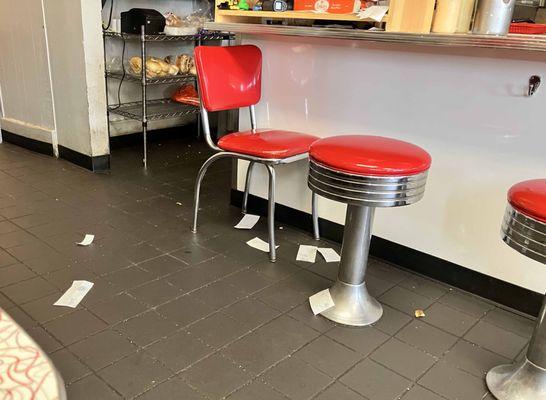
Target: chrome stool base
521	381
353	305
524	380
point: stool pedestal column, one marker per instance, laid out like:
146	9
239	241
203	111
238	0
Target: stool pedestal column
526	379
353	304
536	353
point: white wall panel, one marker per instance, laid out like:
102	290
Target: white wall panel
467	107
77	79
24	73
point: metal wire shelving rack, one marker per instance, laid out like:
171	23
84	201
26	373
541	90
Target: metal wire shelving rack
147	110
204	35
155	109
151	81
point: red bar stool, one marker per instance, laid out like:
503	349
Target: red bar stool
524	229
230	77
365	172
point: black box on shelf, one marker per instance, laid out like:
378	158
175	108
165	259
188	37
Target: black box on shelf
132	20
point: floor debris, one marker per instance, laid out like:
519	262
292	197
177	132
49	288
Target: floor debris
321	301
419	314
259	244
329	254
75	294
307	253
248	221
87	240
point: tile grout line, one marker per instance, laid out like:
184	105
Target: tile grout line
183	328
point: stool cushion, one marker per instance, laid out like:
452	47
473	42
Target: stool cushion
529	198
265	143
370	155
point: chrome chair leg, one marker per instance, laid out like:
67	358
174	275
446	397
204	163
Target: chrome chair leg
271	213
247	186
314	212
200	176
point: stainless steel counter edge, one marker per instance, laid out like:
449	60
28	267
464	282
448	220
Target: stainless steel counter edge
513	42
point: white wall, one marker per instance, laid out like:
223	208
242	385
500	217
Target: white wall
24	72
77	69
52	73
465	106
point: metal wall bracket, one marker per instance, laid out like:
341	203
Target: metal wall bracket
534	83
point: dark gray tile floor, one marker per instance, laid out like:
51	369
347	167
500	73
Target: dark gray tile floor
175	315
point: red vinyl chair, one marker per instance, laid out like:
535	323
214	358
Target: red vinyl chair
230	78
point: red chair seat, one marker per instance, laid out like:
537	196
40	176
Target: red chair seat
370	155
271	144
529	198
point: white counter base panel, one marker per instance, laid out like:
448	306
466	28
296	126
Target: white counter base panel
467	107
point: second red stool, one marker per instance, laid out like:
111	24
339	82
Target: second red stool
365	172
524	229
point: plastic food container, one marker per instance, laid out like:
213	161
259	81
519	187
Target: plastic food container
527	28
180	30
412	16
453	16
493	17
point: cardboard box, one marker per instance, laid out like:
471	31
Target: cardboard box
329	6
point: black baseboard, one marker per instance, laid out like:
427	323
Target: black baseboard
502	292
28	143
95	164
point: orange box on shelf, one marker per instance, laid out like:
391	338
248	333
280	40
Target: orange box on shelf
328	6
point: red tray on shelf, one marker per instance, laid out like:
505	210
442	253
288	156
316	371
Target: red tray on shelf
527	28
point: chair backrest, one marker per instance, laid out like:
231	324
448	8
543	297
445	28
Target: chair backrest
229	77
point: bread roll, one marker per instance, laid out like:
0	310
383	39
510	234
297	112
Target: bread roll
161	63
165	67
152	65
136	65
183	63
192	70
173	69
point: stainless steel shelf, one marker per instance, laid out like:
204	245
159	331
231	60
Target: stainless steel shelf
151	81
152	110
203	35
510	42
155	109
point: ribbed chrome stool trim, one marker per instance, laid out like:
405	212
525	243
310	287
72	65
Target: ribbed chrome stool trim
372	179
373	191
524	234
